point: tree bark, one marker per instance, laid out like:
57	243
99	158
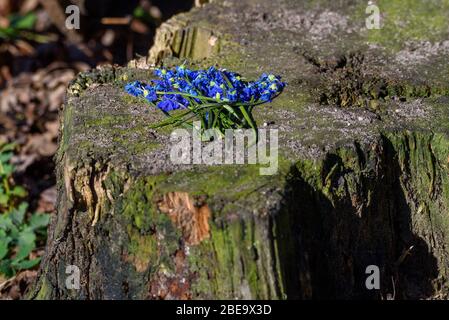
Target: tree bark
362	180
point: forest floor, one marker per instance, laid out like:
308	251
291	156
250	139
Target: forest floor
36	65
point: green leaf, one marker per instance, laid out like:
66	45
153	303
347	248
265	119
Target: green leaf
18	214
139	12
24	252
4	199
26	264
5	222
26	237
39	220
5	157
26	244
19	191
14	232
5	268
5	33
7	147
231	111
24	22
4	243
251	122
6	169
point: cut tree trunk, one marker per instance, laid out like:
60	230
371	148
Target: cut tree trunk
363	176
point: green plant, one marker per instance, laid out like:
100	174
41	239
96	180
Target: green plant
20	27
220	99
18	230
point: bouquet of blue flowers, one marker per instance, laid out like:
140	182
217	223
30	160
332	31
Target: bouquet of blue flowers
220	99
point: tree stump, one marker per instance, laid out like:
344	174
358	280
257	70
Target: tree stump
363	176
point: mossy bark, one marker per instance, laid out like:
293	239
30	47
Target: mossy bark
363	173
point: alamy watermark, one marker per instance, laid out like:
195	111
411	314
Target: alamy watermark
73	20
373	279
238	146
72	281
373	19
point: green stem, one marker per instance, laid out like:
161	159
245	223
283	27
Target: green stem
186	95
250	121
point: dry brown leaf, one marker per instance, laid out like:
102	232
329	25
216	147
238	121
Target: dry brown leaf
52	128
15	288
47	200
108	38
139	27
41	144
24	47
56	98
4	22
5	73
28	5
23	161
81	66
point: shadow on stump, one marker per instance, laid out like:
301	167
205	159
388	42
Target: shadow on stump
334	238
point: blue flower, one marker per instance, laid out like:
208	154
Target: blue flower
168	105
232	95
208	94
134	88
164	73
218	84
162	85
182	71
266	96
248	93
214	91
149	93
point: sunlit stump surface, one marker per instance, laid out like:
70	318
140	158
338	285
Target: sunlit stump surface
362	179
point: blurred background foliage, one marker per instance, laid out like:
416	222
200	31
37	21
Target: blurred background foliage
39	56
